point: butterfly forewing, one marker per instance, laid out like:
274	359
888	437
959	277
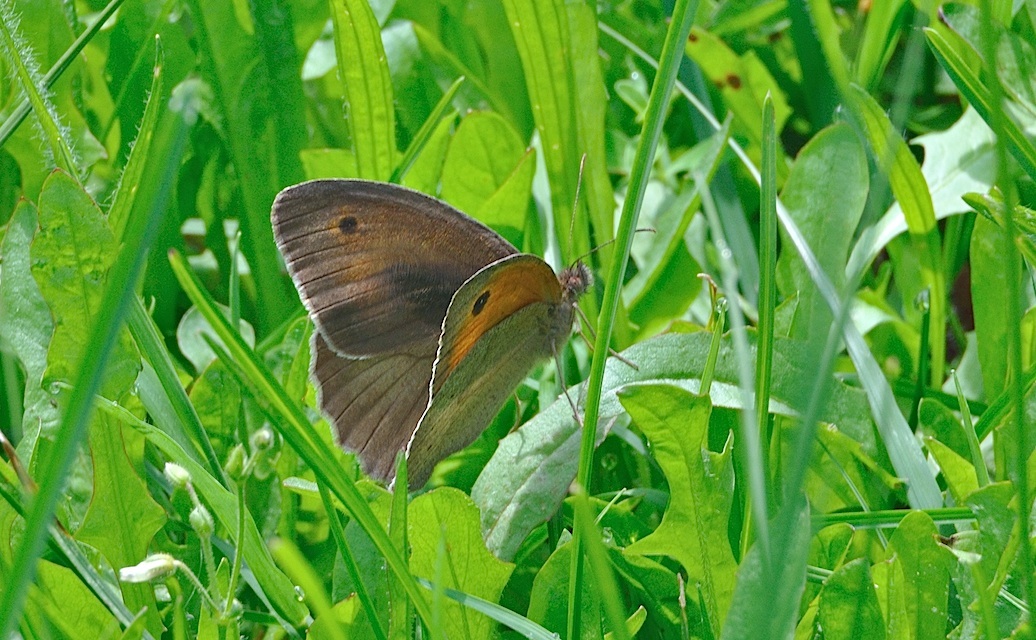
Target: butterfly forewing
501	323
376	264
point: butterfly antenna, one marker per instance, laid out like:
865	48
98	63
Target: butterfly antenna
608	242
575	203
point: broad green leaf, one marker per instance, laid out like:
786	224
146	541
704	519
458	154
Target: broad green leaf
653	586
891	588
123	517
447	518
743	81
996	519
488	173
941	422
842	472
443	111
958	472
926	571
426	171
69	605
693	530
483	153
71	255
368	87
849	606
192	334
216	396
532	468
548	605
768	591
506	210
343	617
827	550
328	163
26	325
825	193
989	291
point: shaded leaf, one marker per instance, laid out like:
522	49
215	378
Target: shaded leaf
849	606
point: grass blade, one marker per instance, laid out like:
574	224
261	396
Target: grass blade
368	88
504	616
767	281
425	132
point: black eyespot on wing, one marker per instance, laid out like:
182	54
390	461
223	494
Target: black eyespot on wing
347	225
480	304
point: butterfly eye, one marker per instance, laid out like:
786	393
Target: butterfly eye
480	304
347	225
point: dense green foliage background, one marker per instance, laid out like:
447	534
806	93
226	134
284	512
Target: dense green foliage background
854	178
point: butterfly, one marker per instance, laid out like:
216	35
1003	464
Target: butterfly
425	319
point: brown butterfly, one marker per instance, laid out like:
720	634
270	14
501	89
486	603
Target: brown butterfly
425	318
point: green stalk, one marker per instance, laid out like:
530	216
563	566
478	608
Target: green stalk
1012	271
767	284
661	90
338	533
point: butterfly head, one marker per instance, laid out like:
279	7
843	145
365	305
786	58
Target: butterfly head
575	281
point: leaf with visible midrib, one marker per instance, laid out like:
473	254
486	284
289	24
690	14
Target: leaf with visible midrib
701	489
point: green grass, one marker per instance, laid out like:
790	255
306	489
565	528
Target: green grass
830	436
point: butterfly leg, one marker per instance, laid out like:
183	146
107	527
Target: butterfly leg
564	388
584	326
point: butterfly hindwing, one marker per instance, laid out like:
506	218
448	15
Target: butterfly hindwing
374	404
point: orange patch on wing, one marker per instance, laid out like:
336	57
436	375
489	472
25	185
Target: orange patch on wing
511	289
